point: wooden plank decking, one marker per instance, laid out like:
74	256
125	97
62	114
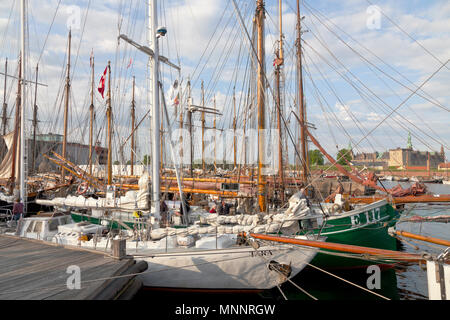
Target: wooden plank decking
34	270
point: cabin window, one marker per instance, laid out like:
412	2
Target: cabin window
53	225
30	226
38	226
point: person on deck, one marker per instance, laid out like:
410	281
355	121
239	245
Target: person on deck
17	210
224	208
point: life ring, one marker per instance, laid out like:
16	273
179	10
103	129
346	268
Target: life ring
82	188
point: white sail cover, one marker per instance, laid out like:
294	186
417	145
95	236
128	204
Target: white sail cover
7	163
131	201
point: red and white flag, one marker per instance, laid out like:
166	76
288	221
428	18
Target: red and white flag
101	85
130	63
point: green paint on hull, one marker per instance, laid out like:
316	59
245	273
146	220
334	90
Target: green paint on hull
366	228
82	218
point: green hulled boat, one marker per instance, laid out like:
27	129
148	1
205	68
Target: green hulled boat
366	225
108	222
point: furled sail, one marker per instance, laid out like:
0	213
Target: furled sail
7	162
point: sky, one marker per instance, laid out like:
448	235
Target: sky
363	62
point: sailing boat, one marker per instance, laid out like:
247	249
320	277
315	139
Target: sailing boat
363	225
210	253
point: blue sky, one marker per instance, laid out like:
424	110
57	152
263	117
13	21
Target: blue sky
204	36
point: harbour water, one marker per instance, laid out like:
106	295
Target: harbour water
403	282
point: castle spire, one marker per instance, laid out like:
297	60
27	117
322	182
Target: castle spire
409	145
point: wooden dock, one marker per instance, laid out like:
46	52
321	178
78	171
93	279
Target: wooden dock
34	270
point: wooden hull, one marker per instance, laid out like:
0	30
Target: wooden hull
366	227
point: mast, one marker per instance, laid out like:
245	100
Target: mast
190	129
23	190
16	128
279	63
66	106
234	126
203	129
260	16
35	121
91	118
153	24
303	142
180	108
133	115
215	153
109	117
5	106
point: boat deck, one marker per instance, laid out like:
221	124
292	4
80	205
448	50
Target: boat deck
34	270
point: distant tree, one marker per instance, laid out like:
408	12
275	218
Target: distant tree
146	160
116	163
316	157
344	153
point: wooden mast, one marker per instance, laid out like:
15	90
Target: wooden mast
260	16
16	129
5	106
133	116
234	127
91	118
279	63
35	121
109	117
301	97
203	129
215	152
66	106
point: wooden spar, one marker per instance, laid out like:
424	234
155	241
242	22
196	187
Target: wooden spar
203	129
338	166
388	254
185	190
215	152
260	16
422	238
109	117
181	133
280	11
16	129
66	106
234	128
133	111
403	200
33	163
278	104
91	118
301	97
5	105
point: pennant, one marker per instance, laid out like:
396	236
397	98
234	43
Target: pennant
129	65
176	101
101	85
